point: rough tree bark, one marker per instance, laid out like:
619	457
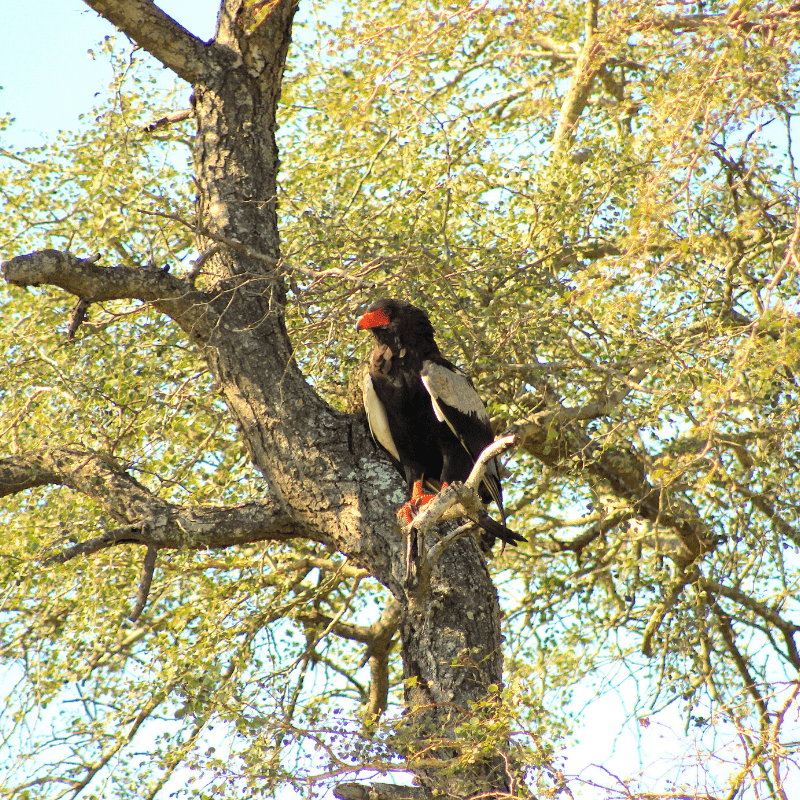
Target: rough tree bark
323	479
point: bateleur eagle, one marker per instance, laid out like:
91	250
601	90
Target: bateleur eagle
425	413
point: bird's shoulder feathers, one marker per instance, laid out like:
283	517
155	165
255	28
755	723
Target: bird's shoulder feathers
448	385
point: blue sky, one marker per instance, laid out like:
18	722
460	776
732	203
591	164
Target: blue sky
47	75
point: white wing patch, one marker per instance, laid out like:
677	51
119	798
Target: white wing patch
453	389
376	417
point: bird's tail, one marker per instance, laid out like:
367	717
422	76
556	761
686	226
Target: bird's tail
492	530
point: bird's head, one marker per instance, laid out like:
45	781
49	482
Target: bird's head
398	322
383	314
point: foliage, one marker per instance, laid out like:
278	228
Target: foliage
636	282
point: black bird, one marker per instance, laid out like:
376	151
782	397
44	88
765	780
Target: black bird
425	413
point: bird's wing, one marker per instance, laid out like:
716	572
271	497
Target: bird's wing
377	419
451	390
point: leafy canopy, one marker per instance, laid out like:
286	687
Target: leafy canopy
630	284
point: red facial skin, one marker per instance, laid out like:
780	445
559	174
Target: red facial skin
373	319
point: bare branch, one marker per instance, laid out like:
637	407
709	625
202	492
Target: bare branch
148	568
461	499
93	283
200	261
159	34
436	552
600	528
454	501
169	119
379	791
561	51
77	317
497	448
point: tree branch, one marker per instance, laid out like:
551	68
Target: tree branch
148	568
683	579
557	440
725	628
85	278
559	50
18	474
379	640
129	533
169	119
379	791
147	518
201	528
78	317
92	283
788	629
383	631
159	34
586	68
461	500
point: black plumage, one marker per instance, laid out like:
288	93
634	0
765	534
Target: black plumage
425	412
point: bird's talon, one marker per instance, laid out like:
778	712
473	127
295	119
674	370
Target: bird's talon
406	514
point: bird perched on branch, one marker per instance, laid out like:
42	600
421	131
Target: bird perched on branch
425	413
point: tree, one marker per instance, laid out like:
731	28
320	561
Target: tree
598	207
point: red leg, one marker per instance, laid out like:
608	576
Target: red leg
419	498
